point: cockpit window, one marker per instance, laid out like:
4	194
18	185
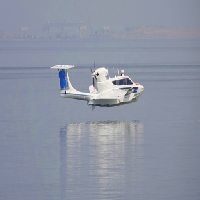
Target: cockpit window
125	81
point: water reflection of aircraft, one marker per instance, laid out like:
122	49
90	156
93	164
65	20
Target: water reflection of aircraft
102	152
110	91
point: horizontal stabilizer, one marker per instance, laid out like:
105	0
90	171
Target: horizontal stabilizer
62	67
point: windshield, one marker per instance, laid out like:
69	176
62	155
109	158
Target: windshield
125	81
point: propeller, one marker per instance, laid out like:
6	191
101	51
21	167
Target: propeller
93	82
93	76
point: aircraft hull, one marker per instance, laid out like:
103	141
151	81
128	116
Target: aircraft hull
114	102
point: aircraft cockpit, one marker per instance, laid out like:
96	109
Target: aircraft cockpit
124	81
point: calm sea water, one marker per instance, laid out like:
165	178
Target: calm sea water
55	148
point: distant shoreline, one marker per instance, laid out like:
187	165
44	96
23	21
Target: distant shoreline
143	32
87	40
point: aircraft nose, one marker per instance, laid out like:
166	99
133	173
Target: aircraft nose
142	88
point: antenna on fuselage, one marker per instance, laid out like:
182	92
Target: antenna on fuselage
122	72
108	73
114	71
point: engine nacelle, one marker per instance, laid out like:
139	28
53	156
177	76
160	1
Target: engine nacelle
100	74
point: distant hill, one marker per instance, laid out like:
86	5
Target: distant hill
146	32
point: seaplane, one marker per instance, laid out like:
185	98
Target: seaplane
109	92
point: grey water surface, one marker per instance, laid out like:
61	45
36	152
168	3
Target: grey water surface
55	148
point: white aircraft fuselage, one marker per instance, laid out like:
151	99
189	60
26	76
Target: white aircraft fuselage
109	92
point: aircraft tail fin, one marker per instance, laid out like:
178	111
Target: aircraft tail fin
65	83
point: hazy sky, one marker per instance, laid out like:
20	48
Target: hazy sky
118	14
